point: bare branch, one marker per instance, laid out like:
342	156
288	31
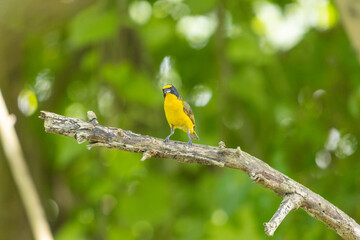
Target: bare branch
290	202
35	213
350	16
259	171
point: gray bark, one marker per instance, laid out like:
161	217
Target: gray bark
295	195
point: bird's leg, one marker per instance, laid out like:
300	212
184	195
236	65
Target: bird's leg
189	142
172	132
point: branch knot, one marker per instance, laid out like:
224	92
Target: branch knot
92	117
222	145
81	137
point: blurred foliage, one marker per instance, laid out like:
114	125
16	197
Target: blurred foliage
278	78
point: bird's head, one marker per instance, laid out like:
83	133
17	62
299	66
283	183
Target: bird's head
169	88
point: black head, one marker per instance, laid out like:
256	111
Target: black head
169	88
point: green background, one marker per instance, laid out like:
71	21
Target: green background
295	104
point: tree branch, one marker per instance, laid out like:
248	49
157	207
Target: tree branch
350	14
290	202
295	195
35	213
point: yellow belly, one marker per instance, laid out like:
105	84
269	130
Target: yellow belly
175	115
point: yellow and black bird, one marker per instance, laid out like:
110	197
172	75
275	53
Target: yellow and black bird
178	113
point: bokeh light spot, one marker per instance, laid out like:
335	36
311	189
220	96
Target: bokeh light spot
285	28
140	12
197	29
175	8
283	115
43	85
27	102
347	146
323	159
326	15
332	140
168	74
319	93
342	146
201	95
219	217
106	100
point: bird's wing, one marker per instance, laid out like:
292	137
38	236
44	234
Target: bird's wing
188	111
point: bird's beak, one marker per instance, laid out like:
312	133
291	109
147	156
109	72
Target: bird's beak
167	90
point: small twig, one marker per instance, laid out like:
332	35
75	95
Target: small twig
147	155
20	172
261	173
290	202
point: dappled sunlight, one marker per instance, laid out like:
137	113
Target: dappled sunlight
347	146
168	74
341	146
284	28
40	91
332	140
27	102
198	29
321	14
279	79
281	30
140	12
283	115
319	93
201	95
43	85
105	102
323	159
175	8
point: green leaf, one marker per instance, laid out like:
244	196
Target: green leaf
92	25
133	86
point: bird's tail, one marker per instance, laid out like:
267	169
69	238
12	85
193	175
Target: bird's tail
194	135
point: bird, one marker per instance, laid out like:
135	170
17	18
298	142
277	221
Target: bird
178	113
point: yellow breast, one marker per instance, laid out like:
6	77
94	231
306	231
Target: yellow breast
175	115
